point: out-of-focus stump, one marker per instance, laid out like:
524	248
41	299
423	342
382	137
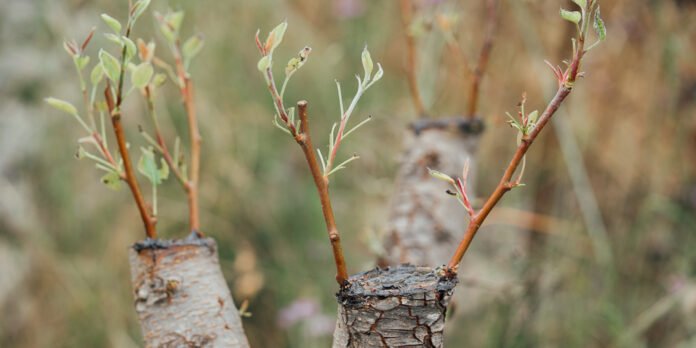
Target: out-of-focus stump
403	306
425	225
424	222
181	297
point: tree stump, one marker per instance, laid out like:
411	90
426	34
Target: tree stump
403	306
181	297
424	223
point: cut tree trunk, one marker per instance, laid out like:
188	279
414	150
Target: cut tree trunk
403	306
425	224
181	297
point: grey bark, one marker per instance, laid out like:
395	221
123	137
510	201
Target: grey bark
402	306
181	297
425	224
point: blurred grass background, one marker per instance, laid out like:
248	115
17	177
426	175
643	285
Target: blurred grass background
64	279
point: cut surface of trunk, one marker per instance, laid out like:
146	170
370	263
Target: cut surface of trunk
403	306
181	297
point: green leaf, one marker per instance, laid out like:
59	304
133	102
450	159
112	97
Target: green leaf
174	19
138	8
130	47
533	116
159	79
378	74
599	27
276	37
97	74
581	3
111	66
61	105
112	180
141	75
113	38
191	48
440	175
112	22
367	63
571	16
148	167
264	63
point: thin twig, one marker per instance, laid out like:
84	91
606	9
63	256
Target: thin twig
114	107
304	139
484	57
411	57
506	183
186	90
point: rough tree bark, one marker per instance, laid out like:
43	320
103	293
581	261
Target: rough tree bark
424	224
403	306
181	297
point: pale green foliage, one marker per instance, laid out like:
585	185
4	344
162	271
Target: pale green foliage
147	166
571	16
111	65
112	180
441	176
112	22
61	105
191	48
141	75
599	27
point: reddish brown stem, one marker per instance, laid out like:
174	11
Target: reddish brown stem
186	90
130	178
484	57
411	57
304	139
505	183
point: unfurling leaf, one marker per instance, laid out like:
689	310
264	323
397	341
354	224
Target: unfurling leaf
141	75
138	8
81	62
367	63
581	3
191	48
146	51
114	38
296	63
264	63
533	116
599	27
440	175
275	37
571	16
112	180
111	66
147	165
378	74
97	74
112	22
61	105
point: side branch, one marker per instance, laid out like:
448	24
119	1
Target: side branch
186	90
505	183
304	139
131	180
484	57
411	57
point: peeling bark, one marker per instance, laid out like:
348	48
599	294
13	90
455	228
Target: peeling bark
403	306
181	297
